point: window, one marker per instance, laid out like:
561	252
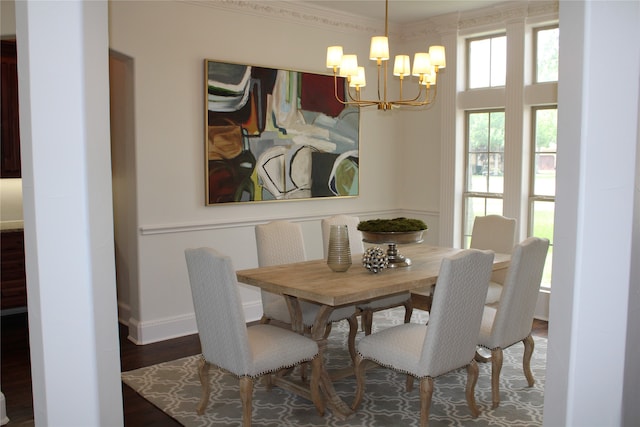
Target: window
543	179
519	123
484	167
487	59
546	51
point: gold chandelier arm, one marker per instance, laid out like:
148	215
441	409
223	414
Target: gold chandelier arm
402	101
380	51
414	103
354	102
335	87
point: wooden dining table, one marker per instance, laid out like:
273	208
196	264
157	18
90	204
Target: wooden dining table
314	281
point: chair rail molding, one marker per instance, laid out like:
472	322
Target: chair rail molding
152	229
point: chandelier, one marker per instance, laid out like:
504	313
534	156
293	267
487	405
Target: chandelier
425	68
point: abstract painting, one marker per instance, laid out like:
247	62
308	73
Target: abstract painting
277	135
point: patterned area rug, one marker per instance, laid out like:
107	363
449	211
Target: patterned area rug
174	387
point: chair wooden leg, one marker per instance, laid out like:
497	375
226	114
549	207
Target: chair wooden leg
359	366
409	384
426	392
327	331
203	373
246	393
472	379
316	396
367	320
408	310
268	380
496	367
526	359
303	372
353	331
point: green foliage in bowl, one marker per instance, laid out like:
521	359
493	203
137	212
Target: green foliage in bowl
392	225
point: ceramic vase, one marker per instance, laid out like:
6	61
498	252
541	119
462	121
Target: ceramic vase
339	254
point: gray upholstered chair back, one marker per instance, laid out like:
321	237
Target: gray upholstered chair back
520	292
456	312
355	236
494	232
279	242
219	314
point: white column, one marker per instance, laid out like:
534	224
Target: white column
64	121
593	277
516	153
451	147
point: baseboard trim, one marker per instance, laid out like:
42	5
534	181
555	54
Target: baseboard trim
124	313
542	306
148	332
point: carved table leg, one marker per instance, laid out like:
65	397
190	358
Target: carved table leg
318	333
334	402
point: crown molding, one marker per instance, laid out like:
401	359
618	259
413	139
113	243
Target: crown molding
296	12
317	16
500	14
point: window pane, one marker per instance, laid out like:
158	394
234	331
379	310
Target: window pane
487	62
547	43
496	141
478	132
476	177
494	207
479	63
542	219
496	150
498	61
544	181
496	173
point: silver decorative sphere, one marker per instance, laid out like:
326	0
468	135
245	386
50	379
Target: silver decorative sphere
375	259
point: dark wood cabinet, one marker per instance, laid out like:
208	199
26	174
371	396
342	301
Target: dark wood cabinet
10	123
13	277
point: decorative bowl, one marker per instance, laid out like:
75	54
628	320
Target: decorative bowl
397	237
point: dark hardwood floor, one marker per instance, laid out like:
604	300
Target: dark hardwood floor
16	373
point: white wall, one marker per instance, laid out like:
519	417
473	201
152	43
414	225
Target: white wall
595	223
64	133
123	170
167	62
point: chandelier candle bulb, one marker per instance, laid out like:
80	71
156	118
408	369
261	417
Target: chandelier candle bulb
402	66
437	56
379	50
421	64
429	79
349	65
359	79
334	56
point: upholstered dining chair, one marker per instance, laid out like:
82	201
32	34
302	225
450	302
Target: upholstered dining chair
447	342
496	233
282	242
357	247
511	321
227	342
